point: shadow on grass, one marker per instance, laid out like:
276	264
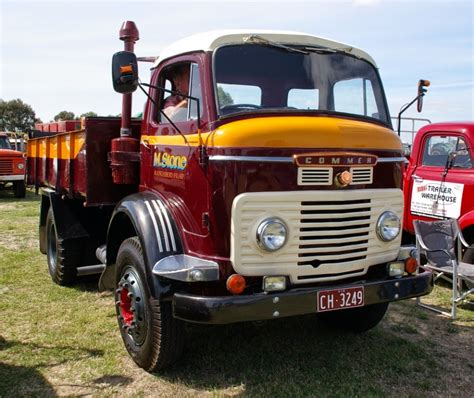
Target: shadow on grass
300	356
89	283
23	381
6	196
26	379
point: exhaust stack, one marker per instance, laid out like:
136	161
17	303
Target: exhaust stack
129	34
125	151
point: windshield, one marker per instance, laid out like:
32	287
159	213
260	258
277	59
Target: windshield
253	77
4	143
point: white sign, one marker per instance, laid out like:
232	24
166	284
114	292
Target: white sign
436	199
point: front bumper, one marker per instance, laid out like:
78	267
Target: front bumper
298	301
12	177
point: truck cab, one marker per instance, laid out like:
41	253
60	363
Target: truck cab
264	181
12	167
439	181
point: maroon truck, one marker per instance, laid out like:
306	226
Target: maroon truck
264	181
12	167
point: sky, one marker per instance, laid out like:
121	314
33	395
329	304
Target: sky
56	55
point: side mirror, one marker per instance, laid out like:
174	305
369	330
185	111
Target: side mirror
124	72
421	93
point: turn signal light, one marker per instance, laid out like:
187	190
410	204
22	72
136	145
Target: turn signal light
411	265
236	284
126	69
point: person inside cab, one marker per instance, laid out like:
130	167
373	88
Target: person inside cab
176	106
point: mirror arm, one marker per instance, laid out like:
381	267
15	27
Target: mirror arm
164	114
404	108
203	157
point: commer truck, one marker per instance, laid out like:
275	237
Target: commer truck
263	181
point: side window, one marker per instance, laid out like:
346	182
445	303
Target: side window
184	79
355	96
303	98
438	148
195	91
463	157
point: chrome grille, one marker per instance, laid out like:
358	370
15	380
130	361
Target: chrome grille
315	175
6	166
334	232
331	233
362	175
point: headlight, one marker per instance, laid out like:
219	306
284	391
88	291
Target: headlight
272	234
21	166
388	226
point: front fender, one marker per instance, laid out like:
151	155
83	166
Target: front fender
466	220
145	215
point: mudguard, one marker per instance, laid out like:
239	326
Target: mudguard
143	214
67	224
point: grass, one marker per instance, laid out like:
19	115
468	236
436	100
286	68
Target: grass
59	341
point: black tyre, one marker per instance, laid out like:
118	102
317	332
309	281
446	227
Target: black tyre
356	320
63	256
152	336
19	189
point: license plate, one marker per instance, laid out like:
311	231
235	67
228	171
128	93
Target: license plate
338	299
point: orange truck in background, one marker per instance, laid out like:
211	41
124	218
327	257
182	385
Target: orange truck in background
12	167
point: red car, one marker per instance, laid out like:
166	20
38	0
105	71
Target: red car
439	180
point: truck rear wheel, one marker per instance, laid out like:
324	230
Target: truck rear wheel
356	320
152	336
19	189
61	254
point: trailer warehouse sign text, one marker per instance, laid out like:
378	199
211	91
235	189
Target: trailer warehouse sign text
436	199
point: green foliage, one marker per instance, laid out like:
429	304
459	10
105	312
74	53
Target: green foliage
64	115
224	97
15	115
89	114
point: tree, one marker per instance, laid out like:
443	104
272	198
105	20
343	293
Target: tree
15	115
224	97
89	114
64	115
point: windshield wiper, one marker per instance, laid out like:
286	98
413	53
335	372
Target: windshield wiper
303	50
261	40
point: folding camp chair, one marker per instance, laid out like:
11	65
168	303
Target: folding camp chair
437	241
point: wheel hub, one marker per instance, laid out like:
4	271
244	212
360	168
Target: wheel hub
130	306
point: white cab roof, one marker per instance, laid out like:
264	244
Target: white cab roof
209	41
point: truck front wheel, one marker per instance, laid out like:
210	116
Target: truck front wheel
356	320
19	189
152	336
61	254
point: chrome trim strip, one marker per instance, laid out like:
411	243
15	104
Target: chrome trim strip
168	223
277	159
391	160
251	158
162	223
184	268
153	219
12	177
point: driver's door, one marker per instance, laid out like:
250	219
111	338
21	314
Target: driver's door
437	191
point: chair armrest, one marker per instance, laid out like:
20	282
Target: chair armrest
440	250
